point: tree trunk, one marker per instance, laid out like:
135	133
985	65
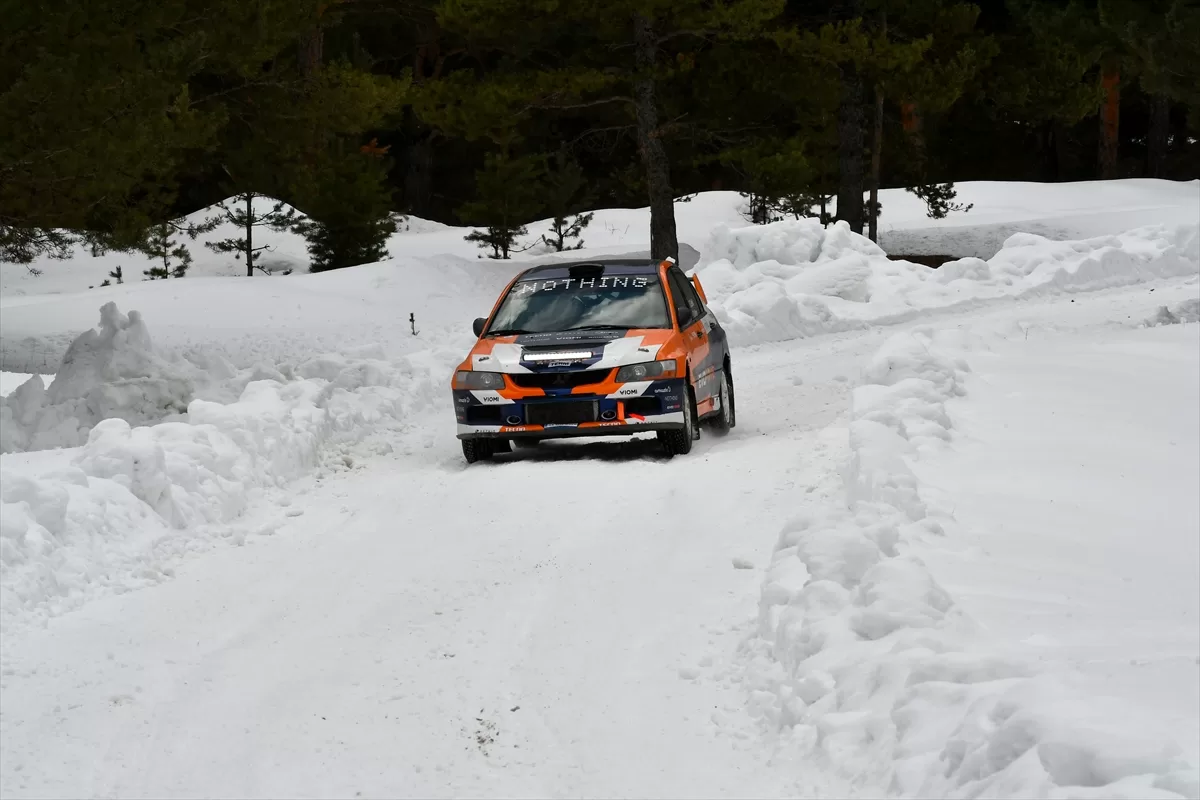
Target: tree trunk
851	132
1061	155
1158	136
418	177
249	235
311	50
1110	115
664	240
1048	171
876	166
876	145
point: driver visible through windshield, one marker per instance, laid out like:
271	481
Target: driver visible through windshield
576	303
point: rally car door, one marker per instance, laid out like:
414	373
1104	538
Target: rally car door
690	314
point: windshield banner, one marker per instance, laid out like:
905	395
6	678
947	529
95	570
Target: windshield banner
576	284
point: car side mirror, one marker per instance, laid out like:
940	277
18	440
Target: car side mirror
477	326
699	289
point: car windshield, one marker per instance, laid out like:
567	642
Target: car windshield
562	304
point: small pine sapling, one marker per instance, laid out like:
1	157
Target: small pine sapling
242	211
160	244
509	191
567	193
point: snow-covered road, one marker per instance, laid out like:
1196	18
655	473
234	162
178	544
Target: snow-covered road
564	622
560	623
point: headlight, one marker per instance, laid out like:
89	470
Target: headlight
469	379
646	371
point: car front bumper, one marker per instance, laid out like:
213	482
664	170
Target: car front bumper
630	409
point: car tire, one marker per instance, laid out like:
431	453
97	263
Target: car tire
477	450
725	419
679	442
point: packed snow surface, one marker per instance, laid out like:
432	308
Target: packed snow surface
950	550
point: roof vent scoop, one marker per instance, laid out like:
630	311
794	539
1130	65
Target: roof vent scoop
586	270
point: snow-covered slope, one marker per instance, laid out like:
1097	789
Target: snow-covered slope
1057	211
295	587
1060	211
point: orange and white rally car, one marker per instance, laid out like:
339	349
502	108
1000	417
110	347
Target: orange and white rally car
595	348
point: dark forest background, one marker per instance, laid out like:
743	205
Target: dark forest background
118	117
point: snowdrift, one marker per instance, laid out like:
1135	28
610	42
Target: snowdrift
112	514
866	665
794	279
110	372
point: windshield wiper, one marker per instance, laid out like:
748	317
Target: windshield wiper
601	328
508	332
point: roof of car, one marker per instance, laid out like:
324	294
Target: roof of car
599	266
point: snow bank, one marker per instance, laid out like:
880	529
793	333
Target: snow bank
1061	211
795	279
113	372
110	372
11	381
1187	311
864	663
115	513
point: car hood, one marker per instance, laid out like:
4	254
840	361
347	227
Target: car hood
534	352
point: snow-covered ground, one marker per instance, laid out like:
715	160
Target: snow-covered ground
950	550
1076	470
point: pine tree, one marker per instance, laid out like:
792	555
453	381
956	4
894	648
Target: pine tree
104	104
566	193
349	212
923	52
618	54
509	194
783	180
241	211
939	199
339	182
162	243
1161	43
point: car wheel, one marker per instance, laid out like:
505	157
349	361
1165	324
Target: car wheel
679	442
476	450
726	418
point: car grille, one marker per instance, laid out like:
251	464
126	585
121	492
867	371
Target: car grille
558	380
485	415
559	413
643	405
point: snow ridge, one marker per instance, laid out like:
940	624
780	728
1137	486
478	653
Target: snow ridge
795	279
137	497
867	666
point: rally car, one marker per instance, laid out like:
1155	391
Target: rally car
595	348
